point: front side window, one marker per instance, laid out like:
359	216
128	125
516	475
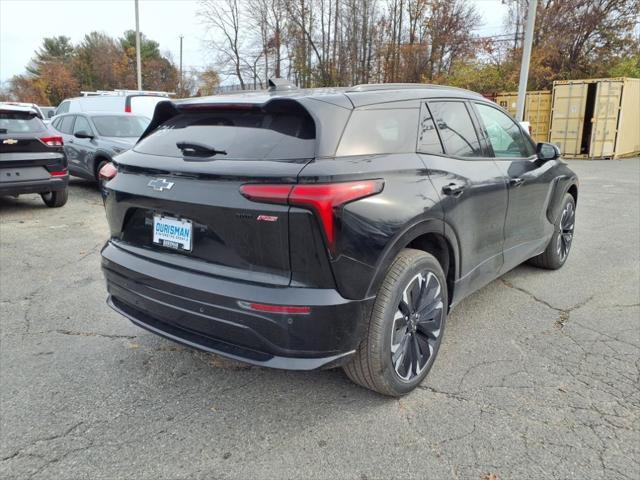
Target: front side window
81	125
505	136
380	131
456	128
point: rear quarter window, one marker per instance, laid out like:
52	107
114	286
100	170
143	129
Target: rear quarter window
378	131
244	135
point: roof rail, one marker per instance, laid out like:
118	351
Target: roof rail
372	87
120	92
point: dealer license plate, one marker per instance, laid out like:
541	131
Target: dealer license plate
173	233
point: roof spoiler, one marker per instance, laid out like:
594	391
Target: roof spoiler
280	84
164	111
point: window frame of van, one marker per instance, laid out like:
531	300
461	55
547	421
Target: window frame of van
67	104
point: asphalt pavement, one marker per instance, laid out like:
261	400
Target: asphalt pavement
538	375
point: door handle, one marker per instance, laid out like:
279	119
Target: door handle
516	182
69	141
453	189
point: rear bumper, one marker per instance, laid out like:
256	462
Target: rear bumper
34	186
210	314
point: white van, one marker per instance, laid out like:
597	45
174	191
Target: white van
129	101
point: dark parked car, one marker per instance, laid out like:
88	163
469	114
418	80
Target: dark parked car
319	228
32	159
92	139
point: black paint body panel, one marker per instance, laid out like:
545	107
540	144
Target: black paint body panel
487	229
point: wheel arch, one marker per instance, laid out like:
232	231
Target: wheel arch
433	236
97	158
562	185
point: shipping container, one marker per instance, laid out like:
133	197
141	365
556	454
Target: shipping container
537	110
596	118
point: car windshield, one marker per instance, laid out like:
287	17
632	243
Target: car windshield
120	125
20	122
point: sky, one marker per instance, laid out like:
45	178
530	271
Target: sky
24	23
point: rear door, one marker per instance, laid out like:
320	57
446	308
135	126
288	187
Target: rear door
64	125
142	104
83	148
473	190
526	229
185	178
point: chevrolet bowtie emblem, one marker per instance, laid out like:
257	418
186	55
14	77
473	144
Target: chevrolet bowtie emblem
159	184
10	141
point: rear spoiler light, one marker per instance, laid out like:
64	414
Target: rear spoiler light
321	198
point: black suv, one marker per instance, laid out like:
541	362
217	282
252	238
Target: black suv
32	159
318	228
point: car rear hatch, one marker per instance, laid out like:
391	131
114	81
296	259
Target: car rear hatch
177	195
28	150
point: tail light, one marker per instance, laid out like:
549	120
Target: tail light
52	141
323	199
107	172
59	173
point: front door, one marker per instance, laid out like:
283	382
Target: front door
527	229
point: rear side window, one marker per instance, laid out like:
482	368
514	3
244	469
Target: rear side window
244	134
380	131
428	139
456	129
20	122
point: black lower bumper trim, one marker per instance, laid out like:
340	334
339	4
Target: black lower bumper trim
221	348
35	186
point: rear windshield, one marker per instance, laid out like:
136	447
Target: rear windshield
242	134
20	122
120	125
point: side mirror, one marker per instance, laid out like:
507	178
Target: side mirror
82	134
548	151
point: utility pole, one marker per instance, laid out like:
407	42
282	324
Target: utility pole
138	61
180	89
526	57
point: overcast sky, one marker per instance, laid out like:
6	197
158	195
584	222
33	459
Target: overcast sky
24	23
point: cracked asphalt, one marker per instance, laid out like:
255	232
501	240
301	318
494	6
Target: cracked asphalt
538	375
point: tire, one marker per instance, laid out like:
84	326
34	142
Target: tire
56	198
372	366
559	247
